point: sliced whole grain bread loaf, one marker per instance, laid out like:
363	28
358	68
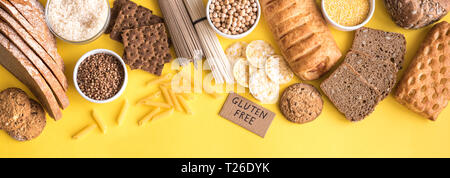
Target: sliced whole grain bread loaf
36	47
381	45
41	32
17	63
46	73
381	74
350	93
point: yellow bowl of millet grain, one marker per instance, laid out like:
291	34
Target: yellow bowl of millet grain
348	15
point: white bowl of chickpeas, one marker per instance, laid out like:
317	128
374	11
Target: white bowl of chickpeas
233	19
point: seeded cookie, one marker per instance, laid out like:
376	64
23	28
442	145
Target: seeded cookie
301	103
14	108
32	126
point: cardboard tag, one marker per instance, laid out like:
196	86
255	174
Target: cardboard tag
247	114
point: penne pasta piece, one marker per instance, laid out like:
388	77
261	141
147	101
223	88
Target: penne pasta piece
160	79
83	132
149	116
149	97
166	84
166	95
175	101
187	96
122	113
100	122
157	104
163	114
184	104
214	95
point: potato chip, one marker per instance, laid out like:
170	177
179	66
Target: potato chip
258	52
262	88
278	70
241	72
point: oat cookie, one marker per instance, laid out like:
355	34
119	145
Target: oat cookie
301	103
32	126
14	108
258	52
241	72
262	88
278	70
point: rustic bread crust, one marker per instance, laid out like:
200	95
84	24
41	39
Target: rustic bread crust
414	14
38	64
425	86
302	34
17	63
38	32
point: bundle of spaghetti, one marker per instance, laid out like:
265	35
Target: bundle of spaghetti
184	37
219	64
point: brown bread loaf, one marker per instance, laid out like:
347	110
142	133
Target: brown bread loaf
39	32
381	74
414	14
17	63
425	86
46	73
381	45
302	35
350	93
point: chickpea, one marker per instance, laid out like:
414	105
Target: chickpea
233	16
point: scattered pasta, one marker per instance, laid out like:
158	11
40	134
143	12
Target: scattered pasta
83	132
100	122
184	104
149	116
123	111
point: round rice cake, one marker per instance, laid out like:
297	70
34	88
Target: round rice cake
32	126
236	49
301	103
278	70
14	108
241	72
258	52
262	88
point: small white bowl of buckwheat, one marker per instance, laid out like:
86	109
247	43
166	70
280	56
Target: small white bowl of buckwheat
233	19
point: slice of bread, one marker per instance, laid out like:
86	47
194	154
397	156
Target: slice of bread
381	45
381	74
350	93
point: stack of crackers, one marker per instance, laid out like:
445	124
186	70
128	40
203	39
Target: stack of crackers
143	35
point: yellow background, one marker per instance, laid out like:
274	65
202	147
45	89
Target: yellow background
391	131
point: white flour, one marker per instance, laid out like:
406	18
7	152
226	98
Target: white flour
77	20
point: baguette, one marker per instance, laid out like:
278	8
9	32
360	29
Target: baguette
414	14
425	86
16	62
301	32
39	65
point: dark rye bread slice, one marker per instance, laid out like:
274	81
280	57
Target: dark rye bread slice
350	93
39	33
381	45
114	13
147	48
47	74
132	16
59	74
381	74
17	63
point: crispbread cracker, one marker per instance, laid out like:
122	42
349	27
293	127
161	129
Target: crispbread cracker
278	70
115	12
426	84
262	88
147	48
258	52
132	16
241	72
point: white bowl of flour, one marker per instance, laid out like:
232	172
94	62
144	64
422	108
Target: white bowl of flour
77	21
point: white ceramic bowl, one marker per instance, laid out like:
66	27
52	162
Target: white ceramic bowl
97	51
81	42
348	28
242	35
